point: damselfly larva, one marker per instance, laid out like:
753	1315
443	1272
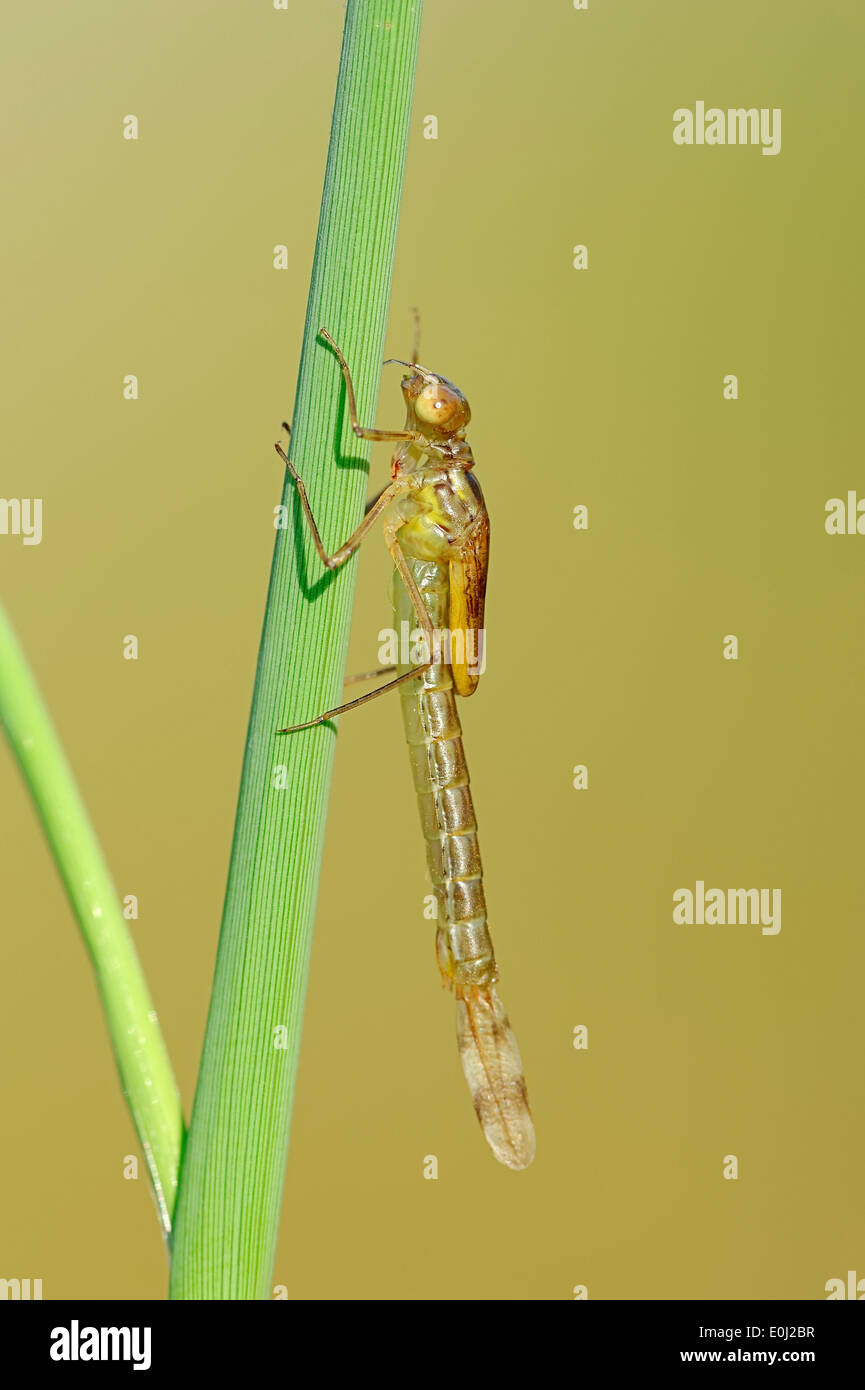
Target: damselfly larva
437	531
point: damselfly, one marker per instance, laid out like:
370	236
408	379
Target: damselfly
437	531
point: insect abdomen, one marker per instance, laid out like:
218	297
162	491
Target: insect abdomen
441	780
450	833
489	1053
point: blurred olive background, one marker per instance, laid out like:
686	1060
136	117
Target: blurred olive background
706	517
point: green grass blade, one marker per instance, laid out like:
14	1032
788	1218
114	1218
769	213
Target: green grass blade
233	1168
145	1071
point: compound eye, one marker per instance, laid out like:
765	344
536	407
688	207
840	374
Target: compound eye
434	407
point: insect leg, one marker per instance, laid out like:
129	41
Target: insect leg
373	512
368	675
415	350
359	429
372	501
425	622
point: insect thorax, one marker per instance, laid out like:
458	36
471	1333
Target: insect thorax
439	513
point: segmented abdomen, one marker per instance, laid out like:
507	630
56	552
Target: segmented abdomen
441	780
488	1049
